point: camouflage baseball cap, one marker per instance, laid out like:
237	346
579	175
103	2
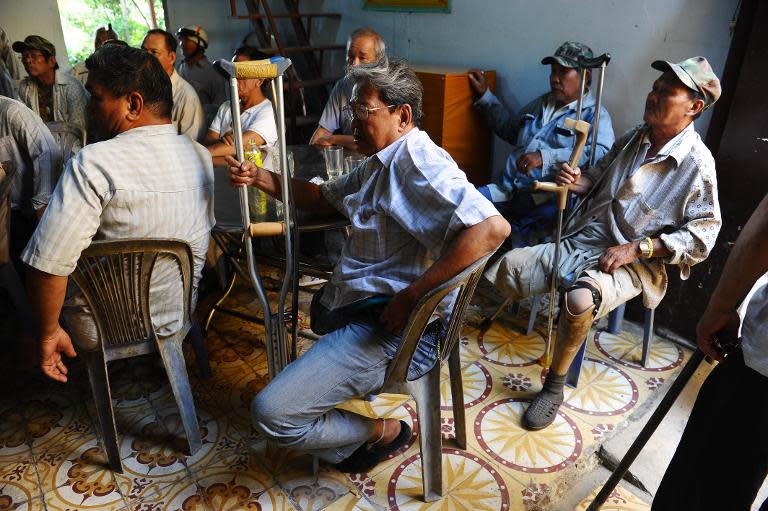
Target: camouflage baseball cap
35	42
696	74
568	54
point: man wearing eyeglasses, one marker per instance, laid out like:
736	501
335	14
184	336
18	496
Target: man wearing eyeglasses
364	46
415	222
54	96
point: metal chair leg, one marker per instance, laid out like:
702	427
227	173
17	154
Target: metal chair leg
647	335
457	396
102	396
426	392
535	305
175	367
616	319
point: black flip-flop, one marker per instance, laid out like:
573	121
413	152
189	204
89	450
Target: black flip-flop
368	456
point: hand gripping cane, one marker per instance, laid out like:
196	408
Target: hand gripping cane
274	68
582	129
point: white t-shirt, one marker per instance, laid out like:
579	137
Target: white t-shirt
754	336
259	118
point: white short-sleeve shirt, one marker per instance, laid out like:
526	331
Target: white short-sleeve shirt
259	118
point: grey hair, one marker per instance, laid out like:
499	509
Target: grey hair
378	41
395	80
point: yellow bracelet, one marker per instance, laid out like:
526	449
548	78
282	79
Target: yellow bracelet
650	247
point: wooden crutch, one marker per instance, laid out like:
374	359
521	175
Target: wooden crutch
581	128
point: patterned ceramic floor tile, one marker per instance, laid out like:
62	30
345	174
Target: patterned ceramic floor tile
78	478
619	500
497	429
502	346
18	484
352	502
626	349
469	482
477	382
184	495
153	455
313	492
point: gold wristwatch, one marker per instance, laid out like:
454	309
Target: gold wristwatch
646	248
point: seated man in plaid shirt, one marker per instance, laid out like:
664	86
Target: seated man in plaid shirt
142	180
415	222
651	201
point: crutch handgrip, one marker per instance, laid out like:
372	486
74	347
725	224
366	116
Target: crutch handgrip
561	191
581	129
266	229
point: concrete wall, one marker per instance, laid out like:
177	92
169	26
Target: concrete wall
22	18
512	36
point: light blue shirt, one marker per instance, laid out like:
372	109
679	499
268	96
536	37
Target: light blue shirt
405	204
527	132
334	118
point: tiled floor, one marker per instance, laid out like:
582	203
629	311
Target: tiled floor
51	458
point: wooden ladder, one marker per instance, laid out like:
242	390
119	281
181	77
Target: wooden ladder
307	90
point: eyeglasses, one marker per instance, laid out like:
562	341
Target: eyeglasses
31	55
360	111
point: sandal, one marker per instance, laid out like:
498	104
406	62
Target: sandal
368	455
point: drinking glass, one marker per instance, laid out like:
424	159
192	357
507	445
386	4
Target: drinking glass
351	161
333	161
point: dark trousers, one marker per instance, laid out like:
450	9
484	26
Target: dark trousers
22	228
722	459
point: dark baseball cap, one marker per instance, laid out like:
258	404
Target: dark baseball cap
568	54
696	74
35	42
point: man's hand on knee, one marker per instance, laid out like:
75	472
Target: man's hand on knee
615	257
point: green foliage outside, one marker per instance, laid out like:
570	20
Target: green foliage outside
81	18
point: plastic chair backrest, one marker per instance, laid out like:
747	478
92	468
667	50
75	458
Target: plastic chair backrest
69	137
7	171
466	282
114	277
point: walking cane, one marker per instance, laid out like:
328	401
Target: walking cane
653	423
582	129
274	325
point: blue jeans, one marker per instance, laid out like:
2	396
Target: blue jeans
297	408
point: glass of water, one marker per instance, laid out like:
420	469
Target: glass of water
352	161
334	161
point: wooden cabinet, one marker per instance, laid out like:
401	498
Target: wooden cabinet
452	123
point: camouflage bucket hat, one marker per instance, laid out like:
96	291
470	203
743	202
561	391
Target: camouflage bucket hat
568	54
696	74
35	42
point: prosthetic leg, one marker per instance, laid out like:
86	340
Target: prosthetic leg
573	326
278	346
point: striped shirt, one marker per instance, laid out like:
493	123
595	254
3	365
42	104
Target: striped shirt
25	140
147	182
187	113
405	205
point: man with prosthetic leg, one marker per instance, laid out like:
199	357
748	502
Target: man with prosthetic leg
651	201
